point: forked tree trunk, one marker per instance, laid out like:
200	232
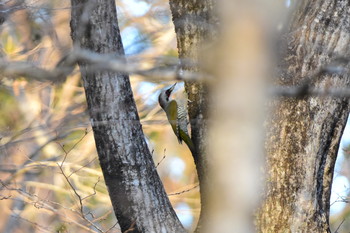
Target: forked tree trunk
136	191
304	133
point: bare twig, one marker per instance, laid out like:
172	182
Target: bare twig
112	227
118	64
80	199
38	202
94	193
75	171
336	231
184	191
73	147
339	65
131	228
303	91
161	159
42	228
15	69
5	197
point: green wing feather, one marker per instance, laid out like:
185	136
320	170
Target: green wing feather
186	138
172	118
171	113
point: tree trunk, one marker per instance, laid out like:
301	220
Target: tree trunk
304	133
137	194
194	26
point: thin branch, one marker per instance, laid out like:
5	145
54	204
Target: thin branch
43	204
42	228
184	191
15	69
118	64
29	70
94	193
80	199
303	91
73	188
338	65
83	215
85	165
161	159
336	231
5	197
72	148
112	227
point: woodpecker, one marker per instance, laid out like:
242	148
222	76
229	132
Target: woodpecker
177	116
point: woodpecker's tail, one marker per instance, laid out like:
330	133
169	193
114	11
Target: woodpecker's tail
186	138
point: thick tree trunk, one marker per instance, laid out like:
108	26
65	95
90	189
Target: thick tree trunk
137	194
304	133
194	26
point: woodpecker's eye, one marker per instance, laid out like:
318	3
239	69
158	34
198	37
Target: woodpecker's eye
167	92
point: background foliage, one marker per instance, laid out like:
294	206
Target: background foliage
49	171
50	175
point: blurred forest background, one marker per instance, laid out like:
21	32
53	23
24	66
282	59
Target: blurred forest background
45	129
49	171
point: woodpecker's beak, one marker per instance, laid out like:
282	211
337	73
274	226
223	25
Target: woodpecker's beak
172	88
168	91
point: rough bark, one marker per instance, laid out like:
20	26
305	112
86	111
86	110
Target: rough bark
304	133
194	26
137	194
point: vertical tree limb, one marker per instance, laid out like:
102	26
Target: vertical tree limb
195	26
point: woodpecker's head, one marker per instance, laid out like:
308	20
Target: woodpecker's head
164	95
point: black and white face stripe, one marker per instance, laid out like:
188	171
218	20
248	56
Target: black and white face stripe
167	94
